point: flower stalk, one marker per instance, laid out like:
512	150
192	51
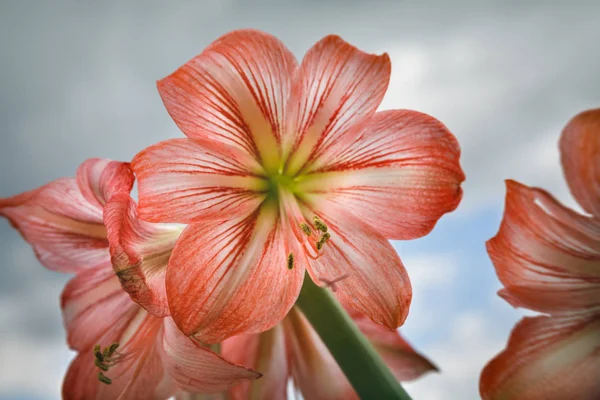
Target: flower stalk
355	355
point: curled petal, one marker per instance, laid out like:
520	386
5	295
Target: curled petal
399	175
366	272
336	87
397	353
580	157
547	256
99	179
182	181
547	358
195	368
234	92
139	252
231	277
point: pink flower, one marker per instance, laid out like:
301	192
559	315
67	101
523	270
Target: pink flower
288	168
548	258
63	221
293	350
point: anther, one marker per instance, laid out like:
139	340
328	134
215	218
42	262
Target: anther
103	378
324	238
290	261
100	365
320	225
306	229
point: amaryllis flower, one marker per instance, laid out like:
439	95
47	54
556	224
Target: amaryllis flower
548	258
123	351
287	167
293	350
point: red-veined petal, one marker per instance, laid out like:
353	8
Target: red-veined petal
140	252
367	273
314	370
195	368
265	352
138	372
336	87
94	305
550	358
547	256
231	277
234	92
402	359
400	175
180	180
99	179
580	157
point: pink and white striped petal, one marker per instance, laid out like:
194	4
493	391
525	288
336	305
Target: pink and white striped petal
234	93
314	371
399	175
547	358
363	269
580	157
140	253
231	277
182	181
547	256
337	86
265	352
99	179
195	368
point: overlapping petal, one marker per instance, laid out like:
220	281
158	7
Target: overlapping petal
336	87
231	277
399	175
580	150
367	273
234	92
550	358
547	256
63	220
182	181
140	252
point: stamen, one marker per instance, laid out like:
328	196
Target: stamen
104	379
306	229
320	225
324	238
290	261
100	365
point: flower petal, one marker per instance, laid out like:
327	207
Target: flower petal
400	175
265	352
231	277
93	305
195	368
580	157
180	180
314	370
547	256
99	179
547	358
138	373
337	86
398	354
140	252
61	223
367	273
234	92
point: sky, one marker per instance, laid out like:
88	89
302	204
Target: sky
77	80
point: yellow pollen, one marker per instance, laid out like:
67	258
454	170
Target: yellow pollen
306	229
104	359
320	225
104	379
290	261
324	238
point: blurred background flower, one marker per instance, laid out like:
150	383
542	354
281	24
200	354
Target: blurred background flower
78	79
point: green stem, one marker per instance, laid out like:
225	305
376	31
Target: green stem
355	355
